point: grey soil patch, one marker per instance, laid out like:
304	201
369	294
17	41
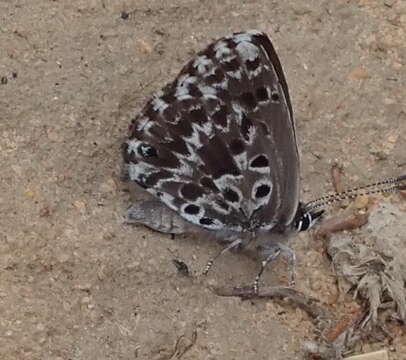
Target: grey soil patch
75	282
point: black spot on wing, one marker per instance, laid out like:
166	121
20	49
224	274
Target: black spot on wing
275	96
259	161
262	191
231	195
206	221
192	209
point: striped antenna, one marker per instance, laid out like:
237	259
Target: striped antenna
385	186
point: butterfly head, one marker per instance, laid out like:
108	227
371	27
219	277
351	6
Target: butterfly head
306	218
308	214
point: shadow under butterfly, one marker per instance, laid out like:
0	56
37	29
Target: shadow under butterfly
216	148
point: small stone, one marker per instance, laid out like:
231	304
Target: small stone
80	205
124	15
397	66
388	101
44	212
84	287
63	258
85	300
392	139
29	193
358	73
144	46
389	3
108	186
133	265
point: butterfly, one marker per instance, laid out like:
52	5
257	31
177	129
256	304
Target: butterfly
216	148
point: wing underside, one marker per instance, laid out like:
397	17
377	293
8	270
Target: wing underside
217	145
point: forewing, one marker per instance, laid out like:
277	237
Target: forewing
217	145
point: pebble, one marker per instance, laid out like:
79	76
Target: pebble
359	73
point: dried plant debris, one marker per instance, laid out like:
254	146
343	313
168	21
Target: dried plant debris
285	294
347	220
372	262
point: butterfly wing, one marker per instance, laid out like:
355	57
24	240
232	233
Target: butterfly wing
217	145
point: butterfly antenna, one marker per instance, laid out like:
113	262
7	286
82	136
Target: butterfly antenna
385	186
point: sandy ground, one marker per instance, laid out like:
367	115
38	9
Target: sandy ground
75	282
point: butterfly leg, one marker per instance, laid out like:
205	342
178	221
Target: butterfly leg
210	263
272	254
